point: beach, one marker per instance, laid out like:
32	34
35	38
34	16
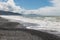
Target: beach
10	30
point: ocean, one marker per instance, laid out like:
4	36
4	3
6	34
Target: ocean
37	23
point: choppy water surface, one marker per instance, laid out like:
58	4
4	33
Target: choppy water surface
46	23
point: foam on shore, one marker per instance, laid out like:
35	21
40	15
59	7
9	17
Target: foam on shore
45	23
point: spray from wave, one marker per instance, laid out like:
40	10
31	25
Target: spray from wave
46	23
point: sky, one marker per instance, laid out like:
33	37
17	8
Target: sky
33	4
40	7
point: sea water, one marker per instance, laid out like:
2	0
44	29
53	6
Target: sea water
37	23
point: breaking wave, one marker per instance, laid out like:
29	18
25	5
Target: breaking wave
46	23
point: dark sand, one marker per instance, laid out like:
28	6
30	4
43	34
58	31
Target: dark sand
9	31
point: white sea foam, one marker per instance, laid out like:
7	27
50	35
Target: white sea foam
46	23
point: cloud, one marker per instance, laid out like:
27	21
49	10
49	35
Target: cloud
54	10
10	6
47	10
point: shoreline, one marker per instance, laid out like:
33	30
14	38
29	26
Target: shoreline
44	35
